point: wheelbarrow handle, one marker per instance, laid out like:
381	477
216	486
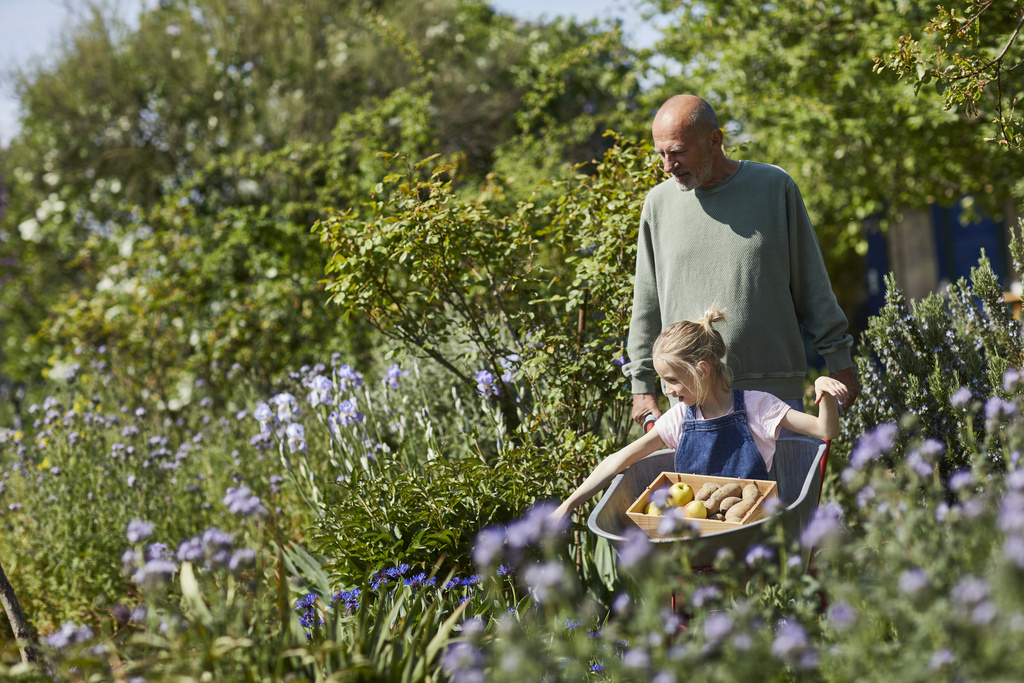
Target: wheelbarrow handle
649	422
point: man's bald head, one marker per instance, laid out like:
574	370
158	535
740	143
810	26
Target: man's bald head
687	113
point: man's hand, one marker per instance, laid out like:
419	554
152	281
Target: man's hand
644	405
847	376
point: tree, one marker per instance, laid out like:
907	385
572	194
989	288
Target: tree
219	119
794	85
971	65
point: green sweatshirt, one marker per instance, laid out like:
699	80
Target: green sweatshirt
745	245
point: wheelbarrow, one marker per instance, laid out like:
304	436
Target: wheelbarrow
798	470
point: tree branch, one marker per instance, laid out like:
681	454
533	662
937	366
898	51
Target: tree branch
19	625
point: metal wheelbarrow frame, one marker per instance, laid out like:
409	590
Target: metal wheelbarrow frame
798	469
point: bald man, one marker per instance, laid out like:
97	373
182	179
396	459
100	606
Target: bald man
734	234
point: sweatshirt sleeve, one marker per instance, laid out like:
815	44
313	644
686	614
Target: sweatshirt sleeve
645	323
816	306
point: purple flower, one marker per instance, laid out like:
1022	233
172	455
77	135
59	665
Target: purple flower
961	397
287	406
138	530
320	394
759	553
463	663
792	646
485	384
296	435
704	595
346	415
240	559
823	524
997	409
1011	378
393	377
913	582
507	364
346	376
620	361
636	547
544	579
240	501
717	627
191	550
68	634
489	543
154	574
264	414
923	458
969	592
841	615
874	444
940	658
961	480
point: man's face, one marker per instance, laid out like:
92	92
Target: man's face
687	158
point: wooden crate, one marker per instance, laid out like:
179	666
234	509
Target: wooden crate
649	523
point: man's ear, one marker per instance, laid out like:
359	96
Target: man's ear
716	138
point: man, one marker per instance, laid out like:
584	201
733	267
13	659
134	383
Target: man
734	234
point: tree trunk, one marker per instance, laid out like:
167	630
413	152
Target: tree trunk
19	625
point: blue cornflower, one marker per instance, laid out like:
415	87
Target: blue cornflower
472	580
415	580
504	570
453	583
620	361
395	572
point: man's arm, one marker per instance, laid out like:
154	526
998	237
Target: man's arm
816	306
644	326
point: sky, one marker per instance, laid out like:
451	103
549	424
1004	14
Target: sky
29	27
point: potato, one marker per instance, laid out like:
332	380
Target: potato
728	503
751	492
737	511
718	517
721	493
706	491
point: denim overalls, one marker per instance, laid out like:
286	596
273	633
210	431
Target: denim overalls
722	446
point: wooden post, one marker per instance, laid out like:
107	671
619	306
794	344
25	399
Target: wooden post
19	625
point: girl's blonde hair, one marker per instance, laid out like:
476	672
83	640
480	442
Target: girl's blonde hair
684	344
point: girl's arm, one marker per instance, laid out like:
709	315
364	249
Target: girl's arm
826	425
609	467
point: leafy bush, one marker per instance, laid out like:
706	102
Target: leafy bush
930	358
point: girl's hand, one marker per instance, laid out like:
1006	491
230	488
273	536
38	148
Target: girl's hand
827	385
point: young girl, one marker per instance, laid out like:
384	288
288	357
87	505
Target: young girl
714	429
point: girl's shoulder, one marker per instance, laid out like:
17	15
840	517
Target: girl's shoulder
763	403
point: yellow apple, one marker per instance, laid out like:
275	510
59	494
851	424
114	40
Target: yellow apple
653	509
695	510
680	494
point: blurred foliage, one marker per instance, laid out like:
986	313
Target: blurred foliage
968	53
793	85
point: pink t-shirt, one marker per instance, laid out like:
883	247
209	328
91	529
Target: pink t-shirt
764	415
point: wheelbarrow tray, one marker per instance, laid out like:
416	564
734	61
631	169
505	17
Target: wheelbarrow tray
796	470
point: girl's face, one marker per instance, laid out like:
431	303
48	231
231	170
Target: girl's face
677	384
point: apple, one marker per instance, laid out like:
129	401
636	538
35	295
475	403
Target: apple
680	494
653	509
695	510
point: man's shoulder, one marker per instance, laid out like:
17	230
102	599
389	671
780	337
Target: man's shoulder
757	169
